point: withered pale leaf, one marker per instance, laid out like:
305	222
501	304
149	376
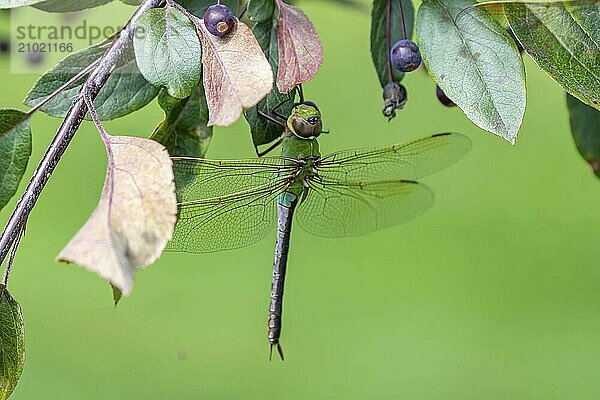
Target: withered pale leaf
236	74
135	217
300	49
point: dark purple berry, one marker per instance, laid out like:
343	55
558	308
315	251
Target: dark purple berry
443	98
219	20
405	55
4	46
35	57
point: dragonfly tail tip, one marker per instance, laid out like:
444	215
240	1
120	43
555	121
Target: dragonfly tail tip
279	351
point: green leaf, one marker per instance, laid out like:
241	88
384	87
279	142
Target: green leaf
17	3
475	62
12	343
261	10
184	131
169	53
264	131
15	149
54	5
585	127
381	44
564	40
125	91
69	5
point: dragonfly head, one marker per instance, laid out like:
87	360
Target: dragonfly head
305	120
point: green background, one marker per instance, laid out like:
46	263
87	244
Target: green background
493	294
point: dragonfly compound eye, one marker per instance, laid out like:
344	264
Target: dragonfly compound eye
310	127
305	121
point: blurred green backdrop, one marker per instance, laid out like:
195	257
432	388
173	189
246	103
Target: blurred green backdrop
493	294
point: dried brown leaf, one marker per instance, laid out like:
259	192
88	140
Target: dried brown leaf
300	49
135	217
236	73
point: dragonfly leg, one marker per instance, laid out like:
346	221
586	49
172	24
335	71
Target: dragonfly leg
275	110
276	144
278	119
300	92
271	119
270	149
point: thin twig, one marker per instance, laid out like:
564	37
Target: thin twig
64	87
66	132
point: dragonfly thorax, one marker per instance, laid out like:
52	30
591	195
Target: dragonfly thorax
294	147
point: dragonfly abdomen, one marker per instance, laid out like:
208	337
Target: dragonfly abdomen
285	210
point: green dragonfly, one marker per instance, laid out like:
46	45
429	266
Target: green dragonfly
225	205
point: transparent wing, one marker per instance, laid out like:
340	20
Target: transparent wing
224	205
226	223
203	179
337	209
408	161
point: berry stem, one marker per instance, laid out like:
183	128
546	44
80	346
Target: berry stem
244	10
389	39
401	10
